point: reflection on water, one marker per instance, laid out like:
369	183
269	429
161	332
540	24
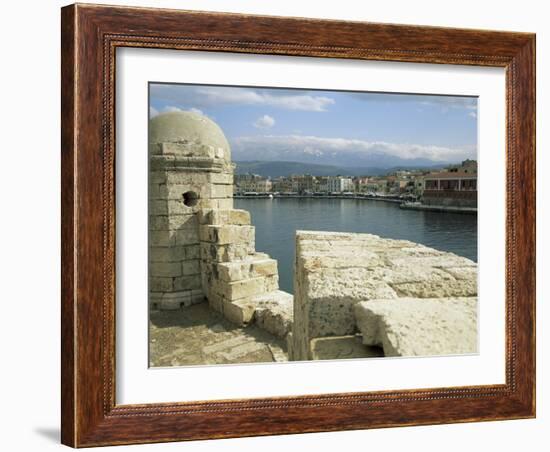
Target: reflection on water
277	220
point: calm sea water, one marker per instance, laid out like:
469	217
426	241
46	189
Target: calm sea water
277	220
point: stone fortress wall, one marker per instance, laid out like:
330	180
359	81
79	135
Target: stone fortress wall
408	299
356	295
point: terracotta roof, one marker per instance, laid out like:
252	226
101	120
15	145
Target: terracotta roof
450	175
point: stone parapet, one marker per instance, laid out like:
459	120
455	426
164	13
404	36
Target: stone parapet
336	271
419	326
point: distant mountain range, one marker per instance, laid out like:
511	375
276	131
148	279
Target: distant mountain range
277	169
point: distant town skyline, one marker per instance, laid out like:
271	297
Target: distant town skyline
331	127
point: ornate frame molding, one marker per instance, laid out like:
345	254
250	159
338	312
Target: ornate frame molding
90	37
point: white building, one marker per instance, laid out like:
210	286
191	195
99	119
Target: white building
340	184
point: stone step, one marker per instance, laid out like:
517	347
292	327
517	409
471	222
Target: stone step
274	312
255	265
271	311
227	234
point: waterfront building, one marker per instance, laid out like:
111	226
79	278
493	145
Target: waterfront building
322	184
339	184
361	184
252	183
456	186
377	185
396	184
466	166
418	185
282	185
305	183
450	188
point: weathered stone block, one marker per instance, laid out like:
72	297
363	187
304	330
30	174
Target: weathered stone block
161	238
220	191
157	284
342	347
264	267
441	288
169	305
273	312
336	271
157	177
161	162
168	269
271	283
173	222
225	253
193	252
250	267
243	289
419	326
221	178
175	191
196	296
216	203
226	217
158	222
154	299
186	237
167	253
187	283
177	207
442	261
240	312
466	273
329	294
175	300
188	222
227	234
187	150
158	207
191	267
215	302
155	191
234	271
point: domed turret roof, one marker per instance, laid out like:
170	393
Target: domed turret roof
187	126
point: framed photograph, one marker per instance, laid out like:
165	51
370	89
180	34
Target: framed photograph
282	225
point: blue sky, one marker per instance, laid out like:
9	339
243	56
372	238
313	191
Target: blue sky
331	127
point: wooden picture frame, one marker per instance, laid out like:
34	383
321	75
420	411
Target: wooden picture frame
90	36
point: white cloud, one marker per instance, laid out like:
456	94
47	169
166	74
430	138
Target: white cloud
472	114
170	108
208	96
343	151
196	110
264	122
250	97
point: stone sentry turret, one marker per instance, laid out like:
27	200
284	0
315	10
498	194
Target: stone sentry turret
190	169
199	246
